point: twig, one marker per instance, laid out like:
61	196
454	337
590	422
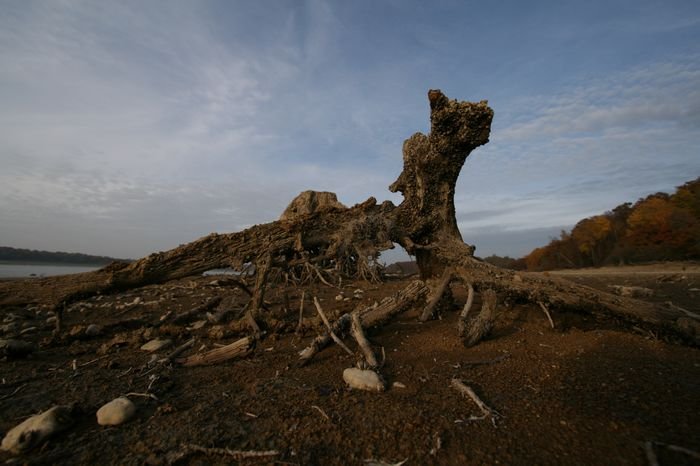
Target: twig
546	311
144	395
651	454
238	348
686	312
236	454
462	324
356	330
467	391
93	361
328	324
14	392
179	350
320	277
323	413
652	460
301	312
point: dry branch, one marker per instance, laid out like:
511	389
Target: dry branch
362	341
236	349
485	409
543	306
191	314
238	455
335	337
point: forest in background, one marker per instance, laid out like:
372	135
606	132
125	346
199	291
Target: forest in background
659	227
8	254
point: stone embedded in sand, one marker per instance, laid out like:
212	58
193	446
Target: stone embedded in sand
93	330
156	345
116	412
363	379
38	428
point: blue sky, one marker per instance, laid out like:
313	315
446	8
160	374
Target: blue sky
131	127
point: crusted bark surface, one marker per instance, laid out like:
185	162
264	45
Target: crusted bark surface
317	233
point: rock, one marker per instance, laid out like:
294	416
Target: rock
51	320
363	379
15	348
398	385
93	330
33	431
339	297
116	412
157	344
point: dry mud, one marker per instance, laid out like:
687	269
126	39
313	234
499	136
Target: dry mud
584	393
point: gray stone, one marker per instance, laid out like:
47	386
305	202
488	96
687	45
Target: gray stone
93	330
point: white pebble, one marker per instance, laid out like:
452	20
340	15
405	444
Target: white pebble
116	412
363	379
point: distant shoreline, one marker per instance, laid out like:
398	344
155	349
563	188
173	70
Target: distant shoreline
66	264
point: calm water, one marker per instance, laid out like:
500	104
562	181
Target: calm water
15	270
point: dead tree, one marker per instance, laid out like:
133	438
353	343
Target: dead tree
316	231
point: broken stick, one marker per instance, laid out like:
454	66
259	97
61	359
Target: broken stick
238	348
546	311
485	409
335	337
363	343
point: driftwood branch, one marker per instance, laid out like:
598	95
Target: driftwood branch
362	341
236	349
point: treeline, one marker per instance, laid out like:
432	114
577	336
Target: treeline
30	255
659	227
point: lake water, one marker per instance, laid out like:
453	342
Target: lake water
14	270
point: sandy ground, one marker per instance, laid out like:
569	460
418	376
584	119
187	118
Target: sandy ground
583	393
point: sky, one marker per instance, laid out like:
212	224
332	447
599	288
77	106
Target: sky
132	127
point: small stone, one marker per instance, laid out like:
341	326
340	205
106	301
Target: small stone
363	379
51	320
116	412
136	301
398	385
157	344
93	330
339	297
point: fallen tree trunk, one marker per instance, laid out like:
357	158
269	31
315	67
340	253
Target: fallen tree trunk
319	231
